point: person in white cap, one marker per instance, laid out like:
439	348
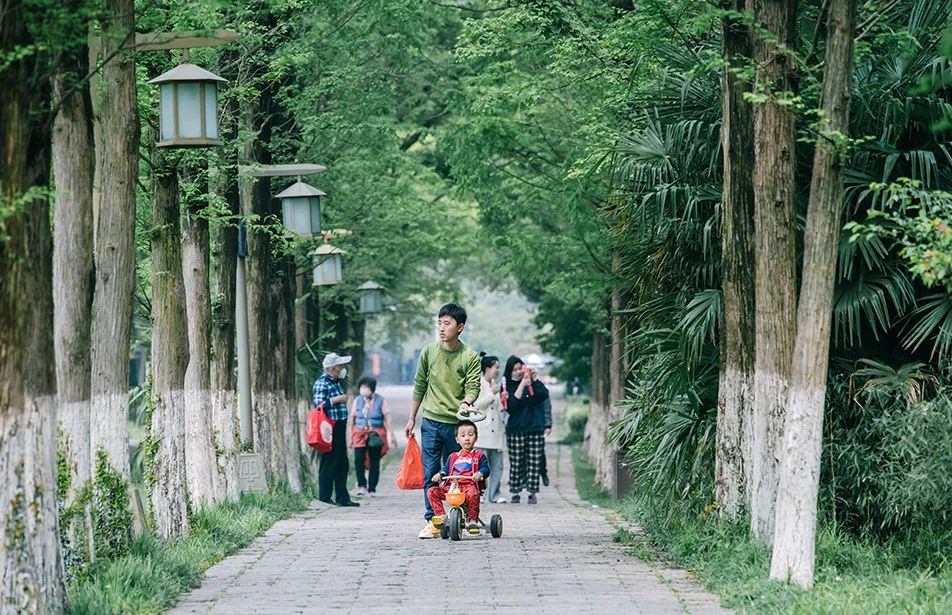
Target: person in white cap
329	390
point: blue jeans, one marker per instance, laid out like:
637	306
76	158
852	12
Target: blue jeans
494	482
437	442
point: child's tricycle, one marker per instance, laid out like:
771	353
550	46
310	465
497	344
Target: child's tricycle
455	523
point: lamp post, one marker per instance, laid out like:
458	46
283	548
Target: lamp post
241	300
301	209
327	265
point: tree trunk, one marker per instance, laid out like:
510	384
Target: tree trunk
795	540
596	445
224	401
735	386
202	474
170	357
73	168
114	255
775	297
31	566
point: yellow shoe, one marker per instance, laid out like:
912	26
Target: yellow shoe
430	531
437	521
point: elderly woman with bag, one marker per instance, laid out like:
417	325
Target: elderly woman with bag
369	425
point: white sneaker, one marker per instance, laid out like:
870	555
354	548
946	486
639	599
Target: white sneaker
430	531
501	500
361	491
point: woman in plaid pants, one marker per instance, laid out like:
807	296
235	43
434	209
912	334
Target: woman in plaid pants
525	431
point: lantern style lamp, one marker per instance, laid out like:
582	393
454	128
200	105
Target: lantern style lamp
301	209
371	298
327	265
188	107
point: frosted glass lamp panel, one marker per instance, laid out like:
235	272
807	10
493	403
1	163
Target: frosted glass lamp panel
190	110
167	111
211	110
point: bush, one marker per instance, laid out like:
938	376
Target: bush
576	418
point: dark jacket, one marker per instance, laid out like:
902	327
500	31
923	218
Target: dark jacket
526	415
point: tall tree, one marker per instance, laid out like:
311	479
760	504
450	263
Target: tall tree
202	472
165	443
795	539
73	168
775	257
114	257
735	388
31	567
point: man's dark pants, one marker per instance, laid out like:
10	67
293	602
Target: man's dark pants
438	441
334	467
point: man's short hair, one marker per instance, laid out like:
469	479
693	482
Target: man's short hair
456	312
467	422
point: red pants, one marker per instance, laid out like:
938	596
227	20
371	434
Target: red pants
437	493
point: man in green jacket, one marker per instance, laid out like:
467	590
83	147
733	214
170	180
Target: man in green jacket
446	382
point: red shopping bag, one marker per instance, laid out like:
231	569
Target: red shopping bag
410	474
320	430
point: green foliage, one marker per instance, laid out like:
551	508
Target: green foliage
111	513
150	577
576	418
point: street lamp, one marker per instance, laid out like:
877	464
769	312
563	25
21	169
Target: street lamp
301	209
370	295
188	107
327	265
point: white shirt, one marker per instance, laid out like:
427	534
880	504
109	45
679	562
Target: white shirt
492	430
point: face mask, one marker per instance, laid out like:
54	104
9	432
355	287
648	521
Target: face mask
343	373
364	391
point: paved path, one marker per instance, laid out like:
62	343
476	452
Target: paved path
555	557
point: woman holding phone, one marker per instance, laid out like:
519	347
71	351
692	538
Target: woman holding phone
525	431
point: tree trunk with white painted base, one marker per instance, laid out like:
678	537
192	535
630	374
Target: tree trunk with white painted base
73	168
114	257
735	387
224	401
204	480
31	566
165	442
775	256
794	549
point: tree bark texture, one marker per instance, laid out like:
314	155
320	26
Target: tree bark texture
735	387
794	549
73	169
205	484
596	446
114	251
224	402
775	232
31	567
170	358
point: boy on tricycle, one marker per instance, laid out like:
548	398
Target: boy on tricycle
461	481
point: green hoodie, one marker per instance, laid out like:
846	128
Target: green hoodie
443	379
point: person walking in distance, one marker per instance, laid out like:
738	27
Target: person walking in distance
446	382
525	430
368	428
492	430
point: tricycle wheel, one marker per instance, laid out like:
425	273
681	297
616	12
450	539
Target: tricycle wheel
495	526
456	524
444	531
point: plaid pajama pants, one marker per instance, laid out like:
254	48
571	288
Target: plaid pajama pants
525	460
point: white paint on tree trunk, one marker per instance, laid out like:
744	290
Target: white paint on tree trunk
73	420
169	500
795	534
770	393
31	566
224	405
105	413
292	449
201	468
735	393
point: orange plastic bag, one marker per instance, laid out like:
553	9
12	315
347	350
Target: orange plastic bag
410	474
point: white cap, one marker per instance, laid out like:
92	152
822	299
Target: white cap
332	359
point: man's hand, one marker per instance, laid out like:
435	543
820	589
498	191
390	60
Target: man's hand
465	407
436	477
477	477
340	399
547	431
411	423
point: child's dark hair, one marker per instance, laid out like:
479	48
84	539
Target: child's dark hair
511	363
463	423
487	360
456	312
369	381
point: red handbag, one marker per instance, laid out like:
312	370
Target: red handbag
320	430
